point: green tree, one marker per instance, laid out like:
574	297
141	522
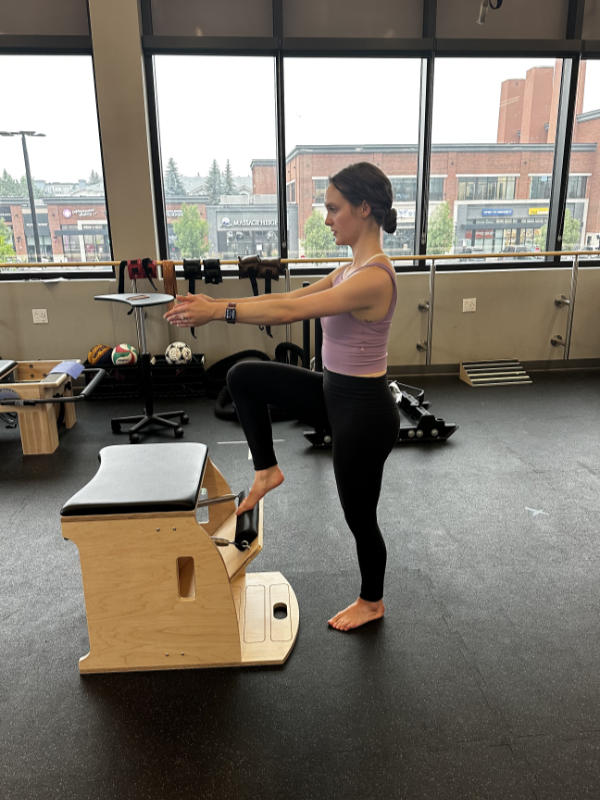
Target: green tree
7	252
94	177
440	230
571	233
228	183
191	233
10	187
318	238
173	183
213	185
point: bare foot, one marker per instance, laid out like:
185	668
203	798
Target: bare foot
264	481
358	613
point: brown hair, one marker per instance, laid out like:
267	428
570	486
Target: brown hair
365	181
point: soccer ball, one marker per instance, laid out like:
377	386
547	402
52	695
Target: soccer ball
178	353
124	355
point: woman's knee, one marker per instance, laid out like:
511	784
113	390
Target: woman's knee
241	374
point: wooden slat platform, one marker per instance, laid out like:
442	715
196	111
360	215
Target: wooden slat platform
504	372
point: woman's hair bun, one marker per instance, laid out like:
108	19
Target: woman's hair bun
389	220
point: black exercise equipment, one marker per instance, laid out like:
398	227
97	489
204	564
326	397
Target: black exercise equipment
417	423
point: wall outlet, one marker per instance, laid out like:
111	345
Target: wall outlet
469	304
40	315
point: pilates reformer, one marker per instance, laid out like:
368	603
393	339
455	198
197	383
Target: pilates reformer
164	566
41	394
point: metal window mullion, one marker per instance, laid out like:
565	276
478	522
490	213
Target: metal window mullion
424	155
562	154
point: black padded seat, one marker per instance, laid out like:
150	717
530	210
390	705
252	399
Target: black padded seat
142	478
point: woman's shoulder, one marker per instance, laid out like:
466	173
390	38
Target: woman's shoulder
379	261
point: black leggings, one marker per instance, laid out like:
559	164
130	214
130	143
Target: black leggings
364	422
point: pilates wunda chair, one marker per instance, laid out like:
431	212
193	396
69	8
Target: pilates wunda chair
162	589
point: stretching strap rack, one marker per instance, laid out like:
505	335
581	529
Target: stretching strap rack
212	275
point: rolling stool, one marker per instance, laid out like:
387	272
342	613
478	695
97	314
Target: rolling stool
141	421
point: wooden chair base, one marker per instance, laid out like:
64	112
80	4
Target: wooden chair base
38	423
161	592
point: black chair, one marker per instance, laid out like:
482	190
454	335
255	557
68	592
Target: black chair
140	422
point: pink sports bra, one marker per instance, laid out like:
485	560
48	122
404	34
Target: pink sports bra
352	346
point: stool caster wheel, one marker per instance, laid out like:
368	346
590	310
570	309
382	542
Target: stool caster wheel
116	426
179	432
135	438
185	419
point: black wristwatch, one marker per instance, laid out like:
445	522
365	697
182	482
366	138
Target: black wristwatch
230	313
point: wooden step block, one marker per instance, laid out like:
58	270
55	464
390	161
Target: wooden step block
504	372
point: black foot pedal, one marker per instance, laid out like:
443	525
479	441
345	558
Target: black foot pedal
246	528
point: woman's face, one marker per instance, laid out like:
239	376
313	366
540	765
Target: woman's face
345	220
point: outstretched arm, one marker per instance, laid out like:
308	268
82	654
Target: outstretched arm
361	292
317	286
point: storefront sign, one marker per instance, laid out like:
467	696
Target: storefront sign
533	212
78	212
496	212
248	222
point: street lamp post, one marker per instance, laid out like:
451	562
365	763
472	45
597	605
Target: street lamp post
23	134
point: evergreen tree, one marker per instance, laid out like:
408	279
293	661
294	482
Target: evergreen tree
440	230
229	186
212	186
318	238
94	177
10	187
173	183
7	252
191	233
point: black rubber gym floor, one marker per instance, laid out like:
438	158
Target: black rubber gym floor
481	682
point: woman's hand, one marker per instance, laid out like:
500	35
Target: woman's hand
191	311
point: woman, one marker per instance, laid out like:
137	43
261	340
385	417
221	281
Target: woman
355	304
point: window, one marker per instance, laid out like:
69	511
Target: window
487	187
540	187
493	133
220	175
577	186
436	187
581	228
405	189
322	138
319	189
63	151
291	192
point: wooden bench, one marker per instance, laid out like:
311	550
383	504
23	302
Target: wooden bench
161	589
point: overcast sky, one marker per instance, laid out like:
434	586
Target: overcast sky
216	107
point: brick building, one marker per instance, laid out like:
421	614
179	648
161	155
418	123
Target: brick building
497	194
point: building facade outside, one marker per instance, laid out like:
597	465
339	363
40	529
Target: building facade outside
496	195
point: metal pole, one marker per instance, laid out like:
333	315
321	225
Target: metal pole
430	311
288	327
574	276
36	237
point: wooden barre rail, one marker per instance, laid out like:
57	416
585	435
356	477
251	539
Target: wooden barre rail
308	261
